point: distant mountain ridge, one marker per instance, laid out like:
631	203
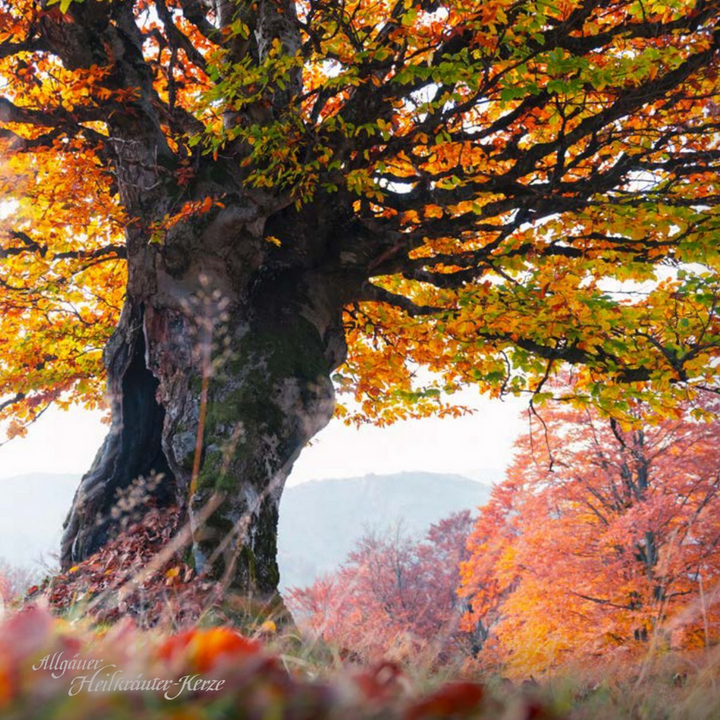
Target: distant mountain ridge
320	521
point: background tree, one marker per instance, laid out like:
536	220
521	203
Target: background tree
14	582
604	538
275	190
394	596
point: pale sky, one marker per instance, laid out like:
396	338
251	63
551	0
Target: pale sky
66	442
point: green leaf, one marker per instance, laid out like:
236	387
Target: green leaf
409	18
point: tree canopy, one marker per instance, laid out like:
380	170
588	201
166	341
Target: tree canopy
393	596
502	186
599	544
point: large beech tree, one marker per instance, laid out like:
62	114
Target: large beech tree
276	191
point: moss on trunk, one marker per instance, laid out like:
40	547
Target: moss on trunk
264	403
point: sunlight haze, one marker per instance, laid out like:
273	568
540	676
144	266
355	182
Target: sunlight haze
66	442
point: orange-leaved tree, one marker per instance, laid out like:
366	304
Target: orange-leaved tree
286	196
601	537
394	597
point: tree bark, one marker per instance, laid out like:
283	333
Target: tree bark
219	374
219	369
130	453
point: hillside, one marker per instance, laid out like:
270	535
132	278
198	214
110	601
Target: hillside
319	521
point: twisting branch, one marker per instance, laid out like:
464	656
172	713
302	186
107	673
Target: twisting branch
177	39
373	293
18	397
32	246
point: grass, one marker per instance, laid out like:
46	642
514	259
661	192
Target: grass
273	672
163	626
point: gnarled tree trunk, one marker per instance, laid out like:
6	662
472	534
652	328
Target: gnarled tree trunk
219	369
219	373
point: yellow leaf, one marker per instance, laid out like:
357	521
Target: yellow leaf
268	627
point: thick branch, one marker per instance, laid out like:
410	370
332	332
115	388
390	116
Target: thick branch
373	293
